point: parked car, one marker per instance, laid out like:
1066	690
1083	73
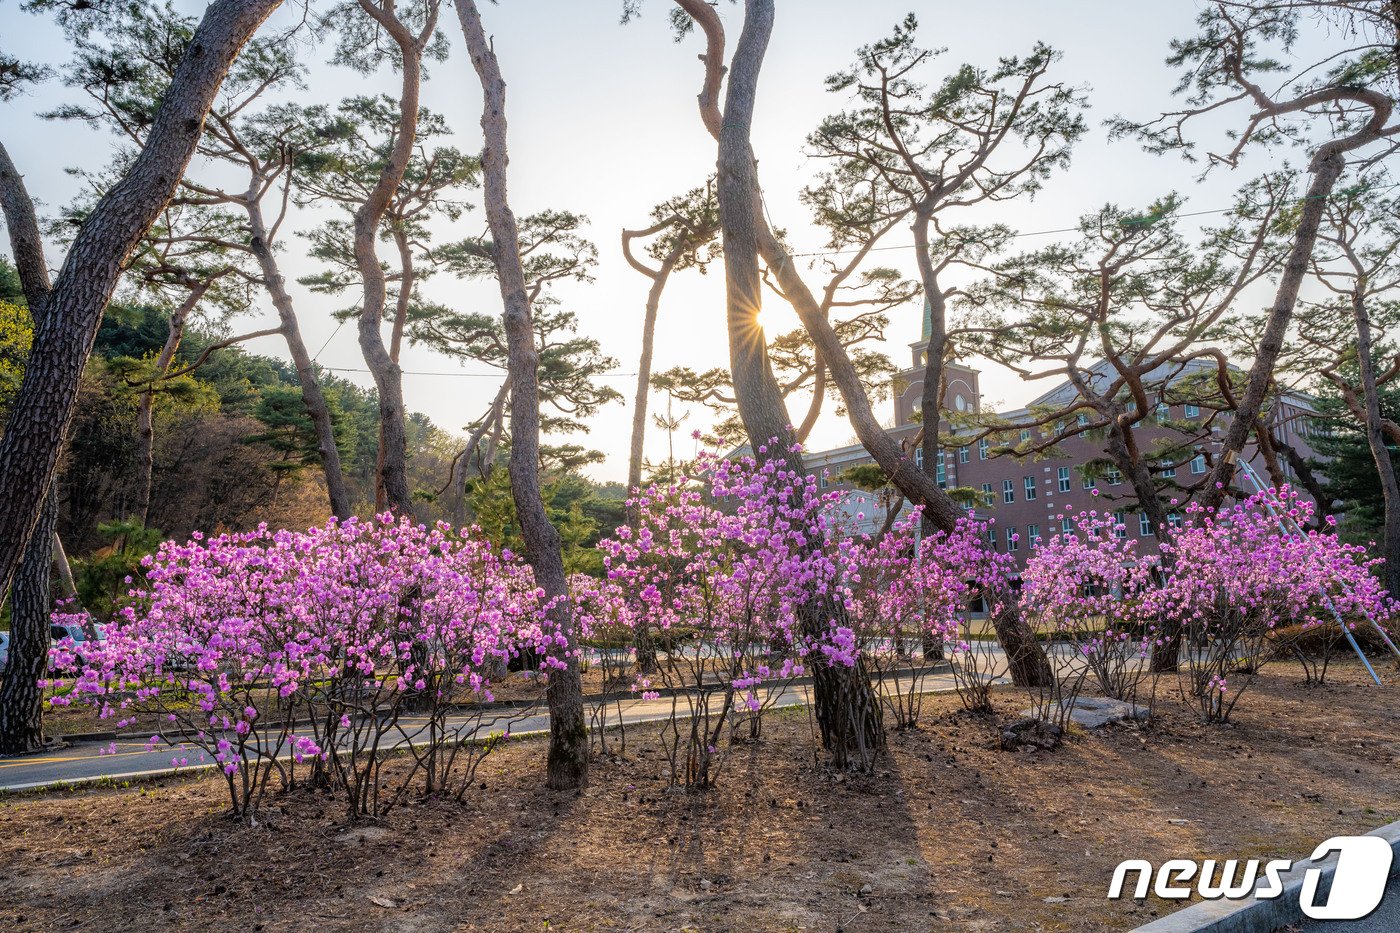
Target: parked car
80	634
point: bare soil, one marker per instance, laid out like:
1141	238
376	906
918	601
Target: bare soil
949	833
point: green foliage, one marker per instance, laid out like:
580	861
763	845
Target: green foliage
868	476
1350	470
288	430
16	334
103	577
10	288
581	509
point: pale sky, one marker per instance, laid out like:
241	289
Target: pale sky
603	121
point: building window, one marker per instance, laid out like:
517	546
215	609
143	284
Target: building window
992	536
1025	434
1030	488
964	454
1192	411
1013	540
1066	526
1169	472
1115	478
1144	524
919	457
941	474
1081	419
1033	535
988	496
1132	404
1163	411
983	446
825	480
1088	481
1008	491
1173	520
1062	474
1198	464
1120	526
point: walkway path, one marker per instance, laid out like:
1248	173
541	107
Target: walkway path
86	762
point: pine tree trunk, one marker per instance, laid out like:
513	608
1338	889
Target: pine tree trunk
1326	171
311	395
391	477
846	708
67	586
1375	438
21	699
567	766
642	643
659	278
39	419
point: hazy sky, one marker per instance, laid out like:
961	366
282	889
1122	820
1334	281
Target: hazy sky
603	121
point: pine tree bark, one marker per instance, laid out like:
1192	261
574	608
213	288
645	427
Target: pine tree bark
39	419
391	484
567	766
311	395
1375	438
21	699
1325	172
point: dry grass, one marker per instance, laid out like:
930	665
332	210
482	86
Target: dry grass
948	834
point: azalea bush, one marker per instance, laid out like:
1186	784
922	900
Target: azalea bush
1236	575
975	581
276	654
286	657
1090	586
720	591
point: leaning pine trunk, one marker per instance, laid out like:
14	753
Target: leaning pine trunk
42	411
846	708
311	395
939	508
1385	466
568	736
391	477
21	699
1325	171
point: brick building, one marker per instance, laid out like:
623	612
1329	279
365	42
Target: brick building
1029	497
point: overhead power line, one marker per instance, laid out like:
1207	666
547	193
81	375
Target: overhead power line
499	375
1015	236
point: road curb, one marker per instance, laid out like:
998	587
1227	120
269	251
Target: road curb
1263	916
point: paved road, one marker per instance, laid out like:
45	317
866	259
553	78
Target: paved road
92	761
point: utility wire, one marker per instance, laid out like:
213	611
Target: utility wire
328	340
499	375
1014	236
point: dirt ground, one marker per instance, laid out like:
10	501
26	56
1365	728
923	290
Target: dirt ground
949	834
